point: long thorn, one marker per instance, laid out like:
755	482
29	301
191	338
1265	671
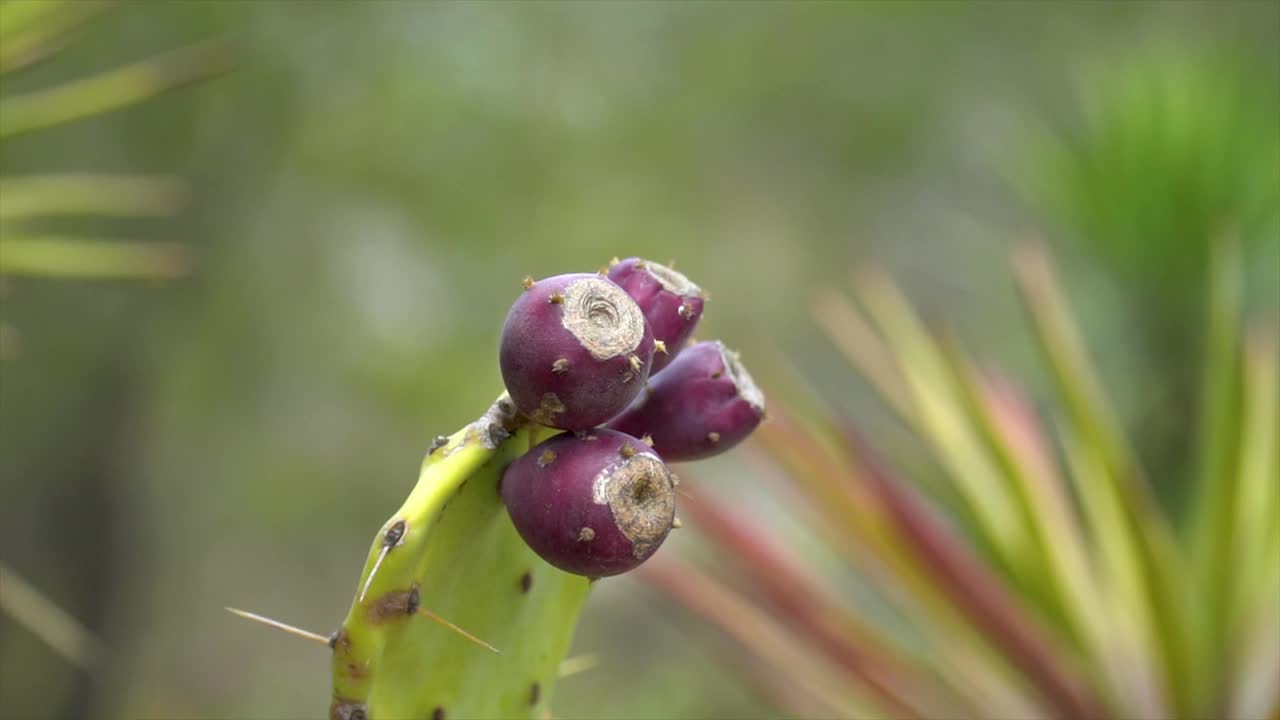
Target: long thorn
374	571
284	627
436	618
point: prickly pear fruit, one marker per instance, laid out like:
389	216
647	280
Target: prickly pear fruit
669	300
575	351
704	403
595	505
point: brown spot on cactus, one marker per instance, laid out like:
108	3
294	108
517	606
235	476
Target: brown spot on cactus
394	534
526	581
670	301
390	605
592	327
702	404
586	535
535	694
622	494
438	713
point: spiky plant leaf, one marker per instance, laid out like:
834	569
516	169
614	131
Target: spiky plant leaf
1108	612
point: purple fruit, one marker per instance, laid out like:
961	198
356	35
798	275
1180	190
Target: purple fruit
704	403
575	351
597	504
670	302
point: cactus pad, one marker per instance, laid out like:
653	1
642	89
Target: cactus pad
451	550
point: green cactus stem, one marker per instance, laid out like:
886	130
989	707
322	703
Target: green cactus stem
451	550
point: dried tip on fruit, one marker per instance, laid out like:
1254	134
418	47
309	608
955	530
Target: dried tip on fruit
647	439
546	458
660	347
704	403
603	271
606	321
614	261
671	302
555	298
560	366
604	506
529	282
676	524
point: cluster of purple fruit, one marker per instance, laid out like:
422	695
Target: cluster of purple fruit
609	357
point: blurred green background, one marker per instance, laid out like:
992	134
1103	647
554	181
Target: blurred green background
365	189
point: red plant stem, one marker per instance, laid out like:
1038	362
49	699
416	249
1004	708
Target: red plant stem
973	589
800	600
746	624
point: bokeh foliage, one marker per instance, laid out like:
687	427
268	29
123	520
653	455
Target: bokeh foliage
360	198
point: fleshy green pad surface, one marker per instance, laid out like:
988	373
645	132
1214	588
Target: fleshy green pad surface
469	566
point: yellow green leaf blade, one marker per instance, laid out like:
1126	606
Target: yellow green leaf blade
62	632
942	423
1217	477
1142	541
31	31
34	196
110	90
84	258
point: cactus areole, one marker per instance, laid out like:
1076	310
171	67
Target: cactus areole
670	301
704	403
575	351
595	505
